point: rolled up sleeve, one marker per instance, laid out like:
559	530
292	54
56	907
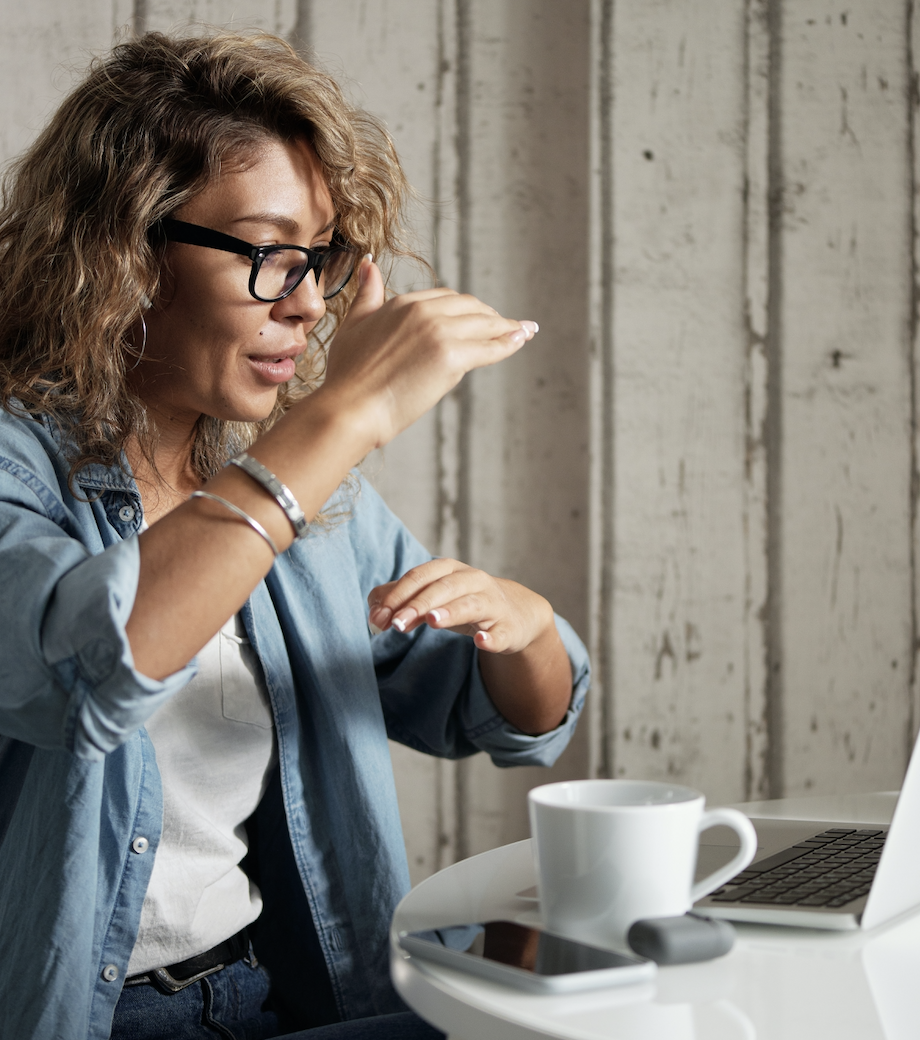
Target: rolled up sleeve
67	676
87	650
435	701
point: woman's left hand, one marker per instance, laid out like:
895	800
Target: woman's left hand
523	662
501	616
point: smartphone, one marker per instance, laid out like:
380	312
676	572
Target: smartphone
527	958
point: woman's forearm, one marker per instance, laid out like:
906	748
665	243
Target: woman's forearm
200	562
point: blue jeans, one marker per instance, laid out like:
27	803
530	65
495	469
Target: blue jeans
230	1005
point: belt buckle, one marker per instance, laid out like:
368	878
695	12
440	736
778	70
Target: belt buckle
168	984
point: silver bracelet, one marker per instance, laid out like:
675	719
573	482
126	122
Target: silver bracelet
279	492
253	523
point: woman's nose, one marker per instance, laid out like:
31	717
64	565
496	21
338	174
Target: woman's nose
305	303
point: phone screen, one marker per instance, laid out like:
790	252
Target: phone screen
527	949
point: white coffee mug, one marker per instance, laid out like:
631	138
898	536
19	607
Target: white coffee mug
612	852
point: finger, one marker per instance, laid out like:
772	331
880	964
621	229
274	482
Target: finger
482	325
386	599
496	640
493	635
379	615
477	354
465	613
449	300
466	597
370	295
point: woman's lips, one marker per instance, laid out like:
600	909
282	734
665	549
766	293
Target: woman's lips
273	370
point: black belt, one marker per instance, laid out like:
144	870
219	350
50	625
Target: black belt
177	976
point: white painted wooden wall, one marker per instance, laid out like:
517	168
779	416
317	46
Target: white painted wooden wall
707	459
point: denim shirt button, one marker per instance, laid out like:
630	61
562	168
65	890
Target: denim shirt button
126	514
140	845
110	973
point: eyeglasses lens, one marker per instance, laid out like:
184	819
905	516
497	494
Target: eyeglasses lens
281	269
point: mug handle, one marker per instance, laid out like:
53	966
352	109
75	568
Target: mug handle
743	827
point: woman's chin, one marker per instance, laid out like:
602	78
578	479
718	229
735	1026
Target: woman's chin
253	408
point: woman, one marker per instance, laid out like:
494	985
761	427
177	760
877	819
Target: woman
198	827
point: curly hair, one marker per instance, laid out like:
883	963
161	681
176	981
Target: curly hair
145	132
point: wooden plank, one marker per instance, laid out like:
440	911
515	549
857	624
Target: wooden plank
599	709
846	457
757	299
527	508
677	618
913	72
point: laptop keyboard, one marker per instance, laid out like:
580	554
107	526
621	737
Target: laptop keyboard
831	869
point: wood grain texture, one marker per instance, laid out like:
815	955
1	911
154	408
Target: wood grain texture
912	60
528	255
757	53
277	16
846	459
677	611
46	47
710	452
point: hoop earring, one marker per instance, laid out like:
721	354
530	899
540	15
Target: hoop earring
143	344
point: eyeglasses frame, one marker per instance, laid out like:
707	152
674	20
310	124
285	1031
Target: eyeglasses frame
195	235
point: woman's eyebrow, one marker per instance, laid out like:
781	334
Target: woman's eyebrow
279	220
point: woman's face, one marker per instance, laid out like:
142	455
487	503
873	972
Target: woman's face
211	347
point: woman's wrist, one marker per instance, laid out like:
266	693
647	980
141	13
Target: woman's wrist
532	688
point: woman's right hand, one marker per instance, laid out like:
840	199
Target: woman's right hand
391	361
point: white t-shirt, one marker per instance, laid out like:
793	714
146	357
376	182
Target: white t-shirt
215	748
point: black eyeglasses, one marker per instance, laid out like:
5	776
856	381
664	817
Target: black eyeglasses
276	270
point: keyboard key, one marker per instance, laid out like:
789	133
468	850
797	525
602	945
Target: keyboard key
738	893
777	860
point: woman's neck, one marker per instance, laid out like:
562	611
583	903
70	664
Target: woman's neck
168	478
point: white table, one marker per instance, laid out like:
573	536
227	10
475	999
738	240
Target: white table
777	983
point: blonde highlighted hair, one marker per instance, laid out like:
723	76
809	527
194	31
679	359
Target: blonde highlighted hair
146	131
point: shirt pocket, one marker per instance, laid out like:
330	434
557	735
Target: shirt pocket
243	694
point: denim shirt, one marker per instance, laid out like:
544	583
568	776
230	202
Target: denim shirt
79	786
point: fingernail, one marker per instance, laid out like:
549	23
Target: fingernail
404	619
531	326
380	616
483	637
518	337
374	630
364	269
435	616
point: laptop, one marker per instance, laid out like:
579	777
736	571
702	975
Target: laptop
828	875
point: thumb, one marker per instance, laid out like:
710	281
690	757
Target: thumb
370	295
